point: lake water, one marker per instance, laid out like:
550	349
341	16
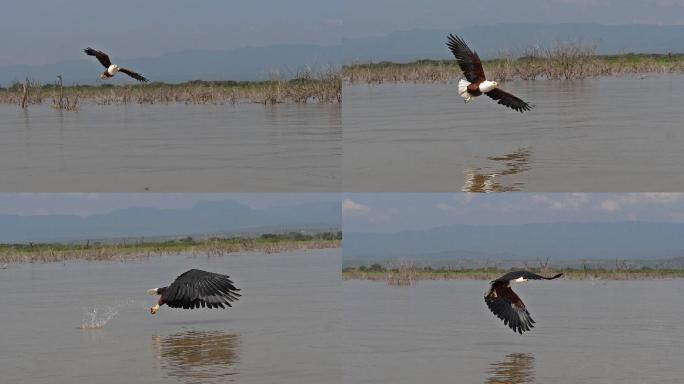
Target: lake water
195	148
283	329
442	332
609	134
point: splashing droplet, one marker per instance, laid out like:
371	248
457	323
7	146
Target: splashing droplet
98	317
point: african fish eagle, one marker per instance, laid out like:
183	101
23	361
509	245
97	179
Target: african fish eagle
475	82
506	305
112	69
196	288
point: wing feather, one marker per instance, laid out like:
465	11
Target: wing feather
196	288
101	56
507	306
467	60
133	74
509	100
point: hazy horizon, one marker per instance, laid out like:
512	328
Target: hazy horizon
107	216
396	212
87	204
133	30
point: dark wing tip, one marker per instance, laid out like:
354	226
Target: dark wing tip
455	44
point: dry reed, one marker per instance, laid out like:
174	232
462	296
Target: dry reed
622	271
324	88
563	61
213	247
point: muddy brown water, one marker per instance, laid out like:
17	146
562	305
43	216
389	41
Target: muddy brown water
609	134
442	332
171	148
282	330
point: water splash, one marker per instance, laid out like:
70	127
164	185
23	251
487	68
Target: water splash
98	317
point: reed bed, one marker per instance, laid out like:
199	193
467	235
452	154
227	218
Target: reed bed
563	61
136	250
381	273
307	88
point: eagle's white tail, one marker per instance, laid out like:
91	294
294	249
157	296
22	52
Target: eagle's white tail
463	90
152	291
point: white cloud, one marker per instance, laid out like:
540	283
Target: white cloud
444	207
650	198
350	207
610	206
565	202
619	201
676	216
572	201
466	198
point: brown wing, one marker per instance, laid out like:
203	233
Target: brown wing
101	56
509	100
134	75
468	60
507	306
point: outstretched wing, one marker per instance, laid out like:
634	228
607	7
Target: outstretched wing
533	276
196	288
527	275
101	56
507	306
134	75
509	100
468	60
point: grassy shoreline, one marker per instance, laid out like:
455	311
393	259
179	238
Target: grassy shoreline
323	89
563	62
408	275
133	250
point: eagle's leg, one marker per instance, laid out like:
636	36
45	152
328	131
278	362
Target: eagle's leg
155	308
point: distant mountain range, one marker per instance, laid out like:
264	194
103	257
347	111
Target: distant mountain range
205	218
556	241
261	62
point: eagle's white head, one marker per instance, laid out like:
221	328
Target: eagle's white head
487	86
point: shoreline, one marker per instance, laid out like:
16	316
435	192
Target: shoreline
407	275
566	62
134	250
323	89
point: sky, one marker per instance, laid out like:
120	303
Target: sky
48	31
393	212
84	204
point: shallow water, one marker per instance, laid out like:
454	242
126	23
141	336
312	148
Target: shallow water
609	134
197	148
586	332
283	329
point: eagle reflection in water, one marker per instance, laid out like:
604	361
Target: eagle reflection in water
488	179
198	356
515	368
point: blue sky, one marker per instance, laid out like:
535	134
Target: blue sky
48	31
84	204
392	212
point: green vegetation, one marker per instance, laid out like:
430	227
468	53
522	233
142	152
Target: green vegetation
407	274
564	61
305	88
126	250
